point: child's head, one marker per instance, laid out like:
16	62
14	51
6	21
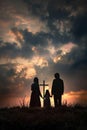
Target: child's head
47	91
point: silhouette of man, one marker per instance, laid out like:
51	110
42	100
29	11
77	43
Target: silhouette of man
57	89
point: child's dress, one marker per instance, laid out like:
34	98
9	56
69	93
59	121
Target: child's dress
47	102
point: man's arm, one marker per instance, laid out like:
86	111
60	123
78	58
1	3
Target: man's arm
52	90
62	86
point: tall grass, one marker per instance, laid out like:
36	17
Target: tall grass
23	103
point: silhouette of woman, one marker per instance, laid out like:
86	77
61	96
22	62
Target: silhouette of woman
35	94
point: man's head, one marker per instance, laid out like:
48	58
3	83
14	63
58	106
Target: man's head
56	75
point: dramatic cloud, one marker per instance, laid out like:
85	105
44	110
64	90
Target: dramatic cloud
40	38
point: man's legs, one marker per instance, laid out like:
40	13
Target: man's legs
55	101
60	98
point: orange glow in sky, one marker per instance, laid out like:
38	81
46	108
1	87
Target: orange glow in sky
70	98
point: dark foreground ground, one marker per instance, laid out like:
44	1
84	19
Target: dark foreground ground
64	118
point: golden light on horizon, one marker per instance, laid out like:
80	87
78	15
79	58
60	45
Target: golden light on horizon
66	99
69	98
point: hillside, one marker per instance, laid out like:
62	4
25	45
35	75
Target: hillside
64	118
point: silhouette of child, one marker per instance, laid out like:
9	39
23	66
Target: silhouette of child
47	102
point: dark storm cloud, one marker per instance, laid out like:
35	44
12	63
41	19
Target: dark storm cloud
73	68
6	73
9	51
39	38
38	8
50	10
55	9
13	6
80	26
58	21
72	11
11	82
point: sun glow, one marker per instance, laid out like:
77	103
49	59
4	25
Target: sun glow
56	59
39	61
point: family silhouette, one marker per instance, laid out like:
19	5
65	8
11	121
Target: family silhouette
57	90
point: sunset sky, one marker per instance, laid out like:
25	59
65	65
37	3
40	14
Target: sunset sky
40	38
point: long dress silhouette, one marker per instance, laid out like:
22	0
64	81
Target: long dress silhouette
35	94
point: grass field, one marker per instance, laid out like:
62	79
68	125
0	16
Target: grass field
62	118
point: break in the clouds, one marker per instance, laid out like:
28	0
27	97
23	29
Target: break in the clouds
39	38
